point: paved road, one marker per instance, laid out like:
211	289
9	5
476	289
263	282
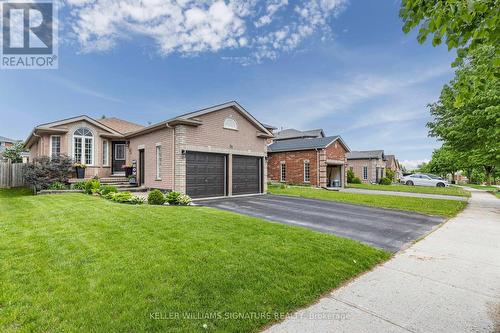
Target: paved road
383	228
447	282
405	194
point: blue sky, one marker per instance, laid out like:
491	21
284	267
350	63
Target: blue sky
344	66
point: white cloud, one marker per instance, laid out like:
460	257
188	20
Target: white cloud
195	26
413	164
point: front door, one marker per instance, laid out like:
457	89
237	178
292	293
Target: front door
119	157
141	167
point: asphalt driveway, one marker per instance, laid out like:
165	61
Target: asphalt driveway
383	228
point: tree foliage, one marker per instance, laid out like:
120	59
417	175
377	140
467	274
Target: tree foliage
45	170
470	127
463	24
13	153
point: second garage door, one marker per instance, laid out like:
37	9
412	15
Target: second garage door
246	175
205	174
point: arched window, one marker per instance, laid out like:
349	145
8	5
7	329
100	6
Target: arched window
230	123
83	146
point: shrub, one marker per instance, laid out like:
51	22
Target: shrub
122	197
79	185
105	189
184	200
45	171
355	180
384	181
155	197
92	186
390	174
173	198
58	186
350	176
137	200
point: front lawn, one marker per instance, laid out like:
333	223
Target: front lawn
452	190
447	208
482	187
73	262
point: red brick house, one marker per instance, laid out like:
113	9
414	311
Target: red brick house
318	161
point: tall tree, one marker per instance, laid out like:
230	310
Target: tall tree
471	125
464	24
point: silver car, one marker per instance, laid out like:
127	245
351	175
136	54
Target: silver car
420	179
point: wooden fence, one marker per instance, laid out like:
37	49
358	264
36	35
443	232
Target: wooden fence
11	175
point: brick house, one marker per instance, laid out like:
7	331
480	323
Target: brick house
217	151
318	161
369	165
392	163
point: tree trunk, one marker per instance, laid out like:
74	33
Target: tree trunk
487	172
469	175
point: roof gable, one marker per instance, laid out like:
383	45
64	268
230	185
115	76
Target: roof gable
52	125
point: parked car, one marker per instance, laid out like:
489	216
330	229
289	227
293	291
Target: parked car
434	176
423	180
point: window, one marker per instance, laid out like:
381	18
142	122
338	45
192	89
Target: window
55	145
105	152
119	152
307	172
230	123
282	172
365	172
83	146
158	162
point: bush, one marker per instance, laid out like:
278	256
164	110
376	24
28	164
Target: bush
384	181
390	174
45	171
105	189
137	200
184	200
58	186
350	176
78	186
92	186
155	197
173	198
355	180
121	197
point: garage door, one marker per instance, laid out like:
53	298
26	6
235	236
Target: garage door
205	174
246	175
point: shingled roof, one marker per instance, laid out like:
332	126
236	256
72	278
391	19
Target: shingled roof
4	139
292	133
366	154
120	125
303	144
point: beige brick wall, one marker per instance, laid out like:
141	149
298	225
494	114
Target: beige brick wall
148	142
357	167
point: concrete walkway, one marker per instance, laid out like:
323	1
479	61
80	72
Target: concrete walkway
448	282
405	194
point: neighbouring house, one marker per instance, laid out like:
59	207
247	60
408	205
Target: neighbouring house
6	143
368	165
308	157
217	151
392	163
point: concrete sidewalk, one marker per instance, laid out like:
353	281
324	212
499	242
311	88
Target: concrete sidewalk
405	194
448	282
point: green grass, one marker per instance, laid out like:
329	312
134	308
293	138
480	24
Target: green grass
452	190
72	262
482	187
447	208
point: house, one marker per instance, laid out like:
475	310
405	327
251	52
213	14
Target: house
368	165
216	151
308	157
392	163
6	143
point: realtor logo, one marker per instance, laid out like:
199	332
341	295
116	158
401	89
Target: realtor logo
28	35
